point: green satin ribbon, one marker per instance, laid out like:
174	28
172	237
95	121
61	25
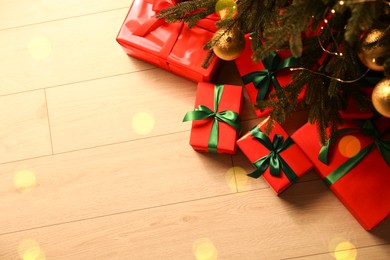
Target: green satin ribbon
368	129
261	79
227	116
273	160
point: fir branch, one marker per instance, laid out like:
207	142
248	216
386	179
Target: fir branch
362	15
188	11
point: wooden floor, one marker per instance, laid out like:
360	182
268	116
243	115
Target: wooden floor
95	161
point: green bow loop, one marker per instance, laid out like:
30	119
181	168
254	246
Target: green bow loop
384	150
368	129
261	79
273	160
229	117
203	112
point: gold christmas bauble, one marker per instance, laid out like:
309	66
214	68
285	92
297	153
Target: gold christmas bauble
381	97
369	56
228	44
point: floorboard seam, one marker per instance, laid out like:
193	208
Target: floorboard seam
125	212
64	18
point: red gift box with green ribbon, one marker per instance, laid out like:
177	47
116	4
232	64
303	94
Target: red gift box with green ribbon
275	156
356	166
171	46
215	121
269	75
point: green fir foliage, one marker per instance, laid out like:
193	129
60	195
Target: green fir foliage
322	33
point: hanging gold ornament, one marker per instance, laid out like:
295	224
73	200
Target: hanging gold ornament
228	44
381	97
370	56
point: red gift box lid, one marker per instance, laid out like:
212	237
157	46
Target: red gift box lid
245	65
231	99
171	46
293	156
364	190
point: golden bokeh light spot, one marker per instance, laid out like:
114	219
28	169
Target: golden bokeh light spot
241	176
25	180
349	146
143	123
39	47
345	251
231	180
29	249
204	249
236	177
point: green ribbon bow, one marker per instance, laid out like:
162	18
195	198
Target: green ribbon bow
273	160
368	129
202	112
261	79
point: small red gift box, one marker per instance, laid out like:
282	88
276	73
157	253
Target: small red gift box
215	118
276	157
362	187
264	77
171	46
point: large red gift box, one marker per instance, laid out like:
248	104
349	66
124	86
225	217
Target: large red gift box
261	78
364	189
171	46
276	146
215	122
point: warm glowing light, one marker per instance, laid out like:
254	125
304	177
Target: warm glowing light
25	180
204	249
226	8
349	146
341	2
231	180
345	251
236	177
29	249
143	123
332	11
39	48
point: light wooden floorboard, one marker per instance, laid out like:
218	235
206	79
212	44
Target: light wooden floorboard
380	252
111	179
249	225
24	127
25	12
95	162
63	52
118	109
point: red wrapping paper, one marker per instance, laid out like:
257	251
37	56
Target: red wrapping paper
200	132
364	190
352	110
245	65
293	156
171	46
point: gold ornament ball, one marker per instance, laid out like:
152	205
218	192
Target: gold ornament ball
228	44
369	56
381	97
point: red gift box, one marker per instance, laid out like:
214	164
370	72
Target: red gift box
271	73
364	189
171	46
352	109
228	99
282	146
